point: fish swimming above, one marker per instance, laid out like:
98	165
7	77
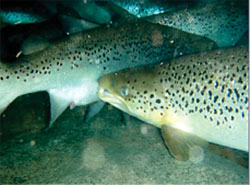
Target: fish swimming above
193	99
23	12
148	7
69	69
223	21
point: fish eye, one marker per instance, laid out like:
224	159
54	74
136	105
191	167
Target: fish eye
124	91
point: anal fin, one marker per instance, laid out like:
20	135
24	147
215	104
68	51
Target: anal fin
182	145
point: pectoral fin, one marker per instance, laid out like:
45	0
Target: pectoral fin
182	145
94	109
58	103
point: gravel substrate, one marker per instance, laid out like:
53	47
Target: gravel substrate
108	149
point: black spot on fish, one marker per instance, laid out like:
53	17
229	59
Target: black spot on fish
167	91
203	90
242	114
218	123
208	108
216	84
240	80
229	92
237	94
223	100
192	100
191	111
246	100
215	98
197	88
158	101
197	100
222	88
210	94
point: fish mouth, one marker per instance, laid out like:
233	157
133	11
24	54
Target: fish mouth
116	101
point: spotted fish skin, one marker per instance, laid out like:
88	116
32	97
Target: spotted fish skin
203	94
222	21
69	69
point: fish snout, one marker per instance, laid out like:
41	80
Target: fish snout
102	92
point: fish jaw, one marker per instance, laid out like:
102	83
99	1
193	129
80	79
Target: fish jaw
114	100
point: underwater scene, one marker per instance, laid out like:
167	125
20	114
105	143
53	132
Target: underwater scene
124	91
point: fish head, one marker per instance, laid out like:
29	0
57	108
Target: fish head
113	89
133	92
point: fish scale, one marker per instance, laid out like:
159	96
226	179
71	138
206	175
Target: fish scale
69	68
203	94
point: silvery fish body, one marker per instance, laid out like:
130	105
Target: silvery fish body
203	96
69	69
148	7
23	12
17	17
222	21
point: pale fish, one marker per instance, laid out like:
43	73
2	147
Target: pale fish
146	8
21	13
193	99
68	69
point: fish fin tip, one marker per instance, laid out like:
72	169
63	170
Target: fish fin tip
182	144
58	104
93	110
73	25
2	109
124	15
6	100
